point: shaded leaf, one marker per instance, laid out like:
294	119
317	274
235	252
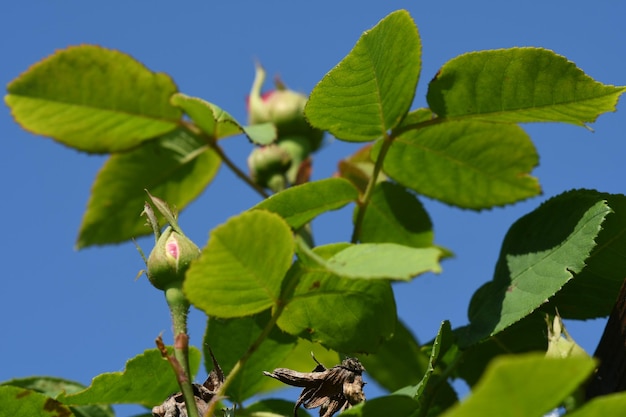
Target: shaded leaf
539	385
526	335
443	341
519	85
396	216
391	405
467	164
594	291
370	90
540	253
93	99
53	386
300	204
241	269
344	314
398	362
358	168
20	402
229	339
147	379
271	408
176	167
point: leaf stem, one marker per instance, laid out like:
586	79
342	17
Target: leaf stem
363	203
212	143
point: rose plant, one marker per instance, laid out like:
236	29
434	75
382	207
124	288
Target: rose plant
271	296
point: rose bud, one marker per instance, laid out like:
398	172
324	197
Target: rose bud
170	258
268	165
282	107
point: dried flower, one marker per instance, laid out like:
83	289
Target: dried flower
332	390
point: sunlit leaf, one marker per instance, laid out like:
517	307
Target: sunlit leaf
241	269
468	164
540	254
524	385
176	168
218	124
519	85
371	89
93	99
300	204
147	379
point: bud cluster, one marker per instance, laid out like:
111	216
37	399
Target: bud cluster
284	162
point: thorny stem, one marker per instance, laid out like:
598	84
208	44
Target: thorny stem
181	343
367	196
212	143
179	307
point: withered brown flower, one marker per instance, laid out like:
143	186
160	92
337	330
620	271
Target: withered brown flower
332	390
174	405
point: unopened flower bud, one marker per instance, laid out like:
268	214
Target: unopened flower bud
170	259
268	165
282	107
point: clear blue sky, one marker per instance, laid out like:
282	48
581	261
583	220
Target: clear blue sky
77	314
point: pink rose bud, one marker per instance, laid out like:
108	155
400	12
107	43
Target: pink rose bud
170	259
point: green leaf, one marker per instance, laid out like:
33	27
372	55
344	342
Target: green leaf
176	168
391	405
384	261
606	406
526	335
396	216
415	117
53	386
398	362
519	85
371	89
20	402
473	165
229	339
344	314
271	408
524	385
300	204
541	252
241	269
93	99
147	379
372	260
441	344
594	291
358	168
218	124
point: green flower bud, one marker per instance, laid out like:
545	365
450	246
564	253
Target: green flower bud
282	107
170	259
268	165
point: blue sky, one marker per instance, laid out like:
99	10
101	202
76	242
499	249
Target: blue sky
76	314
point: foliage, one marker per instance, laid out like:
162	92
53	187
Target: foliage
271	295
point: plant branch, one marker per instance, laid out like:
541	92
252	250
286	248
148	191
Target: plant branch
367	196
212	143
178	361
